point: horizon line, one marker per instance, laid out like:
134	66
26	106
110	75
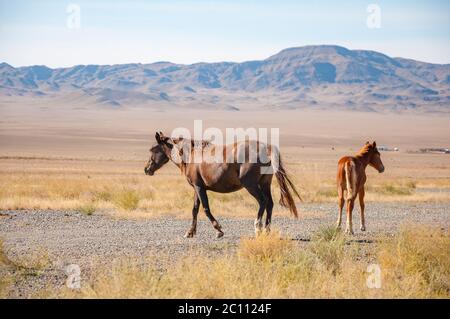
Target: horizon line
223	61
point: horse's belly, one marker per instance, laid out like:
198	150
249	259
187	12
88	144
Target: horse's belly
223	188
222	179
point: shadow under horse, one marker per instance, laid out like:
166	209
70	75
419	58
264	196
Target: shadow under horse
225	169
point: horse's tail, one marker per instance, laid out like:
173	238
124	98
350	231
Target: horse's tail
350	178
286	185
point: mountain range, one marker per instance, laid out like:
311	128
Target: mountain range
310	77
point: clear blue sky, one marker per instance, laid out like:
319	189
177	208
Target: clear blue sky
36	32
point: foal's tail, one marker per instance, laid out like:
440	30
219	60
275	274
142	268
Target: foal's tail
286	185
350	179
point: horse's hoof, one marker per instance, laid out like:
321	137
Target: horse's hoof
189	235
349	232
219	235
363	228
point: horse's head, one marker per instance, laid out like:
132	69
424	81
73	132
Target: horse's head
159	154
375	157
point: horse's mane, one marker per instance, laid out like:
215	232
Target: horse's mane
196	143
202	143
364	150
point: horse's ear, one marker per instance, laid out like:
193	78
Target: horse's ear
367	142
158	137
374	144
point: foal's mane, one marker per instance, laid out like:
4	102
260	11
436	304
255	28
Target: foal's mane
365	150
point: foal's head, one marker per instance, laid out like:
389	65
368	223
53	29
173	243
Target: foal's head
159	154
373	156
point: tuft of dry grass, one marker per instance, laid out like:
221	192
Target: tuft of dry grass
415	263
12	271
266	246
87	208
328	246
406	188
127	199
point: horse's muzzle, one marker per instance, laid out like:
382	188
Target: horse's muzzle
381	170
148	171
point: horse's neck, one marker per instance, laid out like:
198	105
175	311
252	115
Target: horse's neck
364	158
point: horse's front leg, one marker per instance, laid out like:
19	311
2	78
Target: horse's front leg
341	206
362	206
191	232
201	192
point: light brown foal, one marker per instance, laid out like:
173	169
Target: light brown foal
351	177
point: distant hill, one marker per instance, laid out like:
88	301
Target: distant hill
323	76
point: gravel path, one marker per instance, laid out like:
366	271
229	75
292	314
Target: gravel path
74	238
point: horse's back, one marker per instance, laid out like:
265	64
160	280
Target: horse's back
242	163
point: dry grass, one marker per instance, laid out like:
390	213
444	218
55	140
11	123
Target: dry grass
415	263
87	208
108	185
127	199
267	246
12	271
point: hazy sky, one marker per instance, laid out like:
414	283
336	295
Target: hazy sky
109	32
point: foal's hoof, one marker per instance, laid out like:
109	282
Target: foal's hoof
219	235
349	231
363	228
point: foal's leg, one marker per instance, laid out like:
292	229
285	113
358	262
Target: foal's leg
258	194
269	205
204	199
341	205
350	204
361	204
193	228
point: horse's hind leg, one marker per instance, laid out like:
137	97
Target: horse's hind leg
195	209
269	204
361	204
350	204
205	203
258	194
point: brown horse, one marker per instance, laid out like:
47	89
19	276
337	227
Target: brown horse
228	174
351	177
